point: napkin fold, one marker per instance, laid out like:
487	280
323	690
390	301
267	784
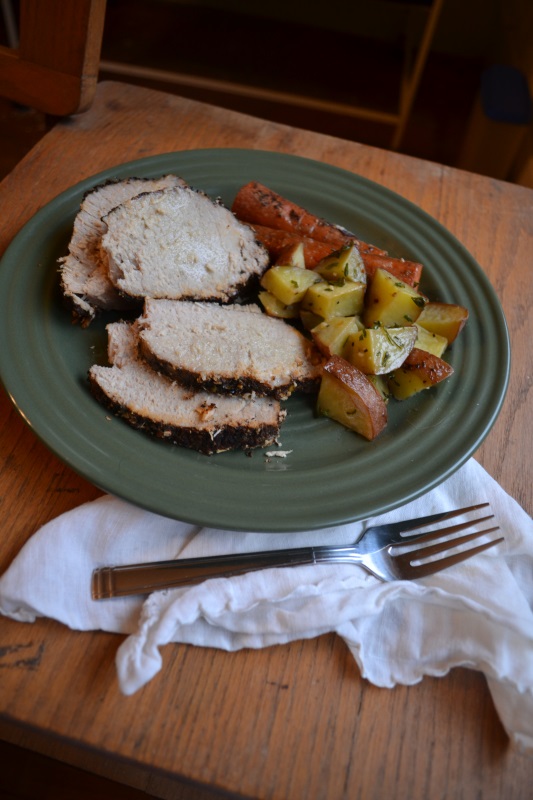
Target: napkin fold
478	614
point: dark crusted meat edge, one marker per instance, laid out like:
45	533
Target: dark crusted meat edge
229	437
226	385
243	291
84	318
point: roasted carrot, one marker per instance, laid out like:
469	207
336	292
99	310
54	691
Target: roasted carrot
409	272
258	205
276	241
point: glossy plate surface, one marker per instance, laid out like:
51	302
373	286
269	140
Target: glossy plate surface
331	476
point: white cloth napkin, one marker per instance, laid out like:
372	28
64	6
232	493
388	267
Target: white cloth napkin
478	614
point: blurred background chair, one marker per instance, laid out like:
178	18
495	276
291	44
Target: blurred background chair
53	62
417	47
391	73
416	21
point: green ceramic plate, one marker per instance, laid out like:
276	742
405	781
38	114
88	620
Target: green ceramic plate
331	476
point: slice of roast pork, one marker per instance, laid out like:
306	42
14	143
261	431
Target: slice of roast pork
197	420
178	243
235	349
84	276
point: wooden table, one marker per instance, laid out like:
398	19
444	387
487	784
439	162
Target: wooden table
288	722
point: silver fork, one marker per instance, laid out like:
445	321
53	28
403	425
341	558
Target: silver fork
379	550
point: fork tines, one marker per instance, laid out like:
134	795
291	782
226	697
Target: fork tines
421	522
417	558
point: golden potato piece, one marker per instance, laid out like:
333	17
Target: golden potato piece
443	319
327	300
288	284
420	370
376	351
391	302
275	308
345	264
347	396
292	256
429	341
331	335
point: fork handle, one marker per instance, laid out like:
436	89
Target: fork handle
145	578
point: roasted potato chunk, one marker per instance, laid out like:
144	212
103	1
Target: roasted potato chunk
292	256
344	265
327	300
443	319
430	342
420	370
347	396
331	335
275	308
376	351
288	284
391	302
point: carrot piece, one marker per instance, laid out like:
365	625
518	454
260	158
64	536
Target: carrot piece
276	241
258	205
409	272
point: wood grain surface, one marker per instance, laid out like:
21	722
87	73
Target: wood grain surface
286	722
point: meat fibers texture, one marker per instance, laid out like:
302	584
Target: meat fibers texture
83	272
177	243
228	348
198	420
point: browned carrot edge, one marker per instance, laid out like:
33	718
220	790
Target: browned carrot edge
256	204
409	272
275	241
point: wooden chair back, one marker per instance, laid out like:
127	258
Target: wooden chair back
54	69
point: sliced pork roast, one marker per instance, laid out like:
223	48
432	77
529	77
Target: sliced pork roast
198	420
84	276
234	349
177	243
